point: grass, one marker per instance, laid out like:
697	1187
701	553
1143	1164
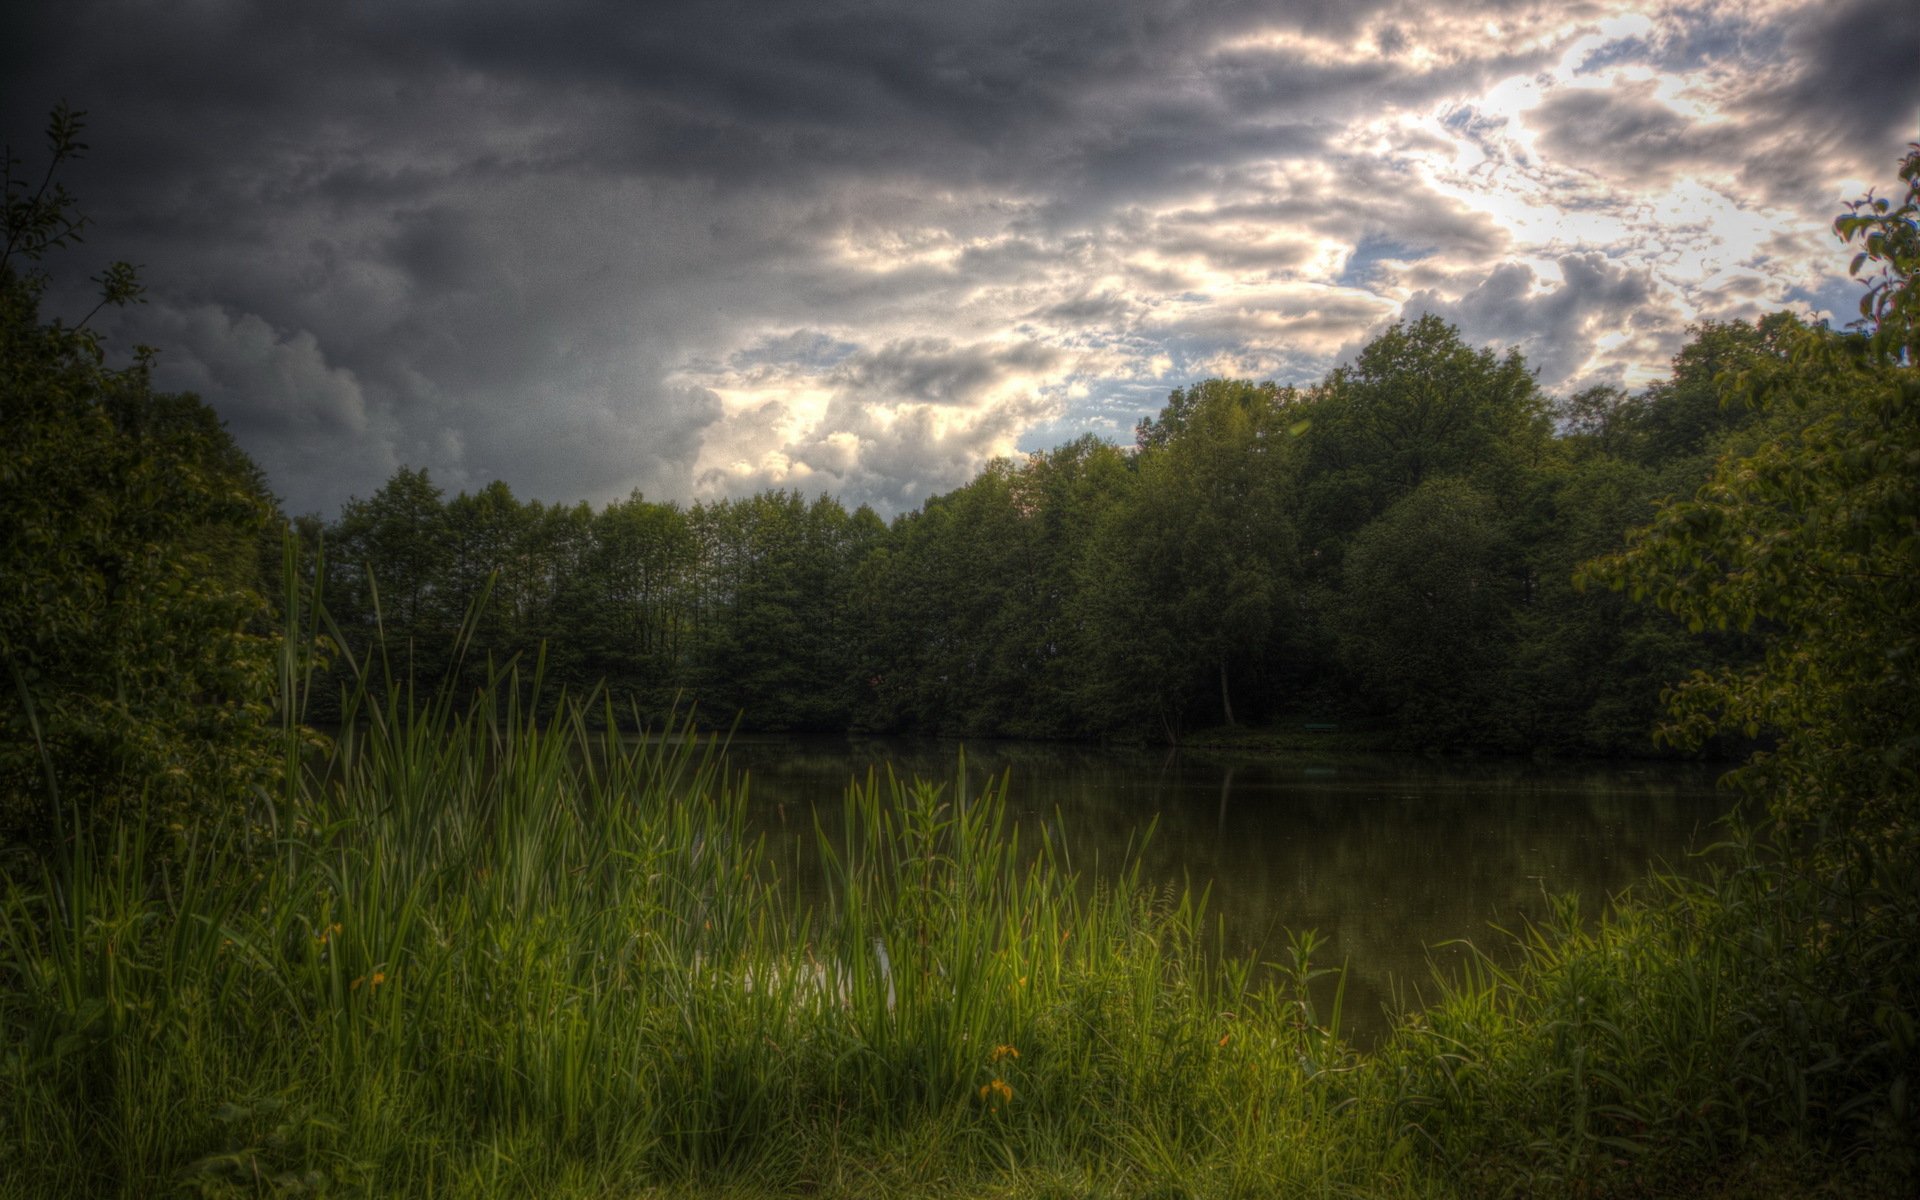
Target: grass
462	952
486	957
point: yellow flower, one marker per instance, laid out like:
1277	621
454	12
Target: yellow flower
997	1093
1000	1052
379	977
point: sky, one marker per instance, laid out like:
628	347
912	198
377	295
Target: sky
701	249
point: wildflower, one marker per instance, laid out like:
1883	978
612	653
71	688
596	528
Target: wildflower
357	981
997	1093
379	977
1000	1052
1224	1038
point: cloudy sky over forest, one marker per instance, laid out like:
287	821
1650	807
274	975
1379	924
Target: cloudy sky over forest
702	248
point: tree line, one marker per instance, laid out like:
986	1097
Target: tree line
1390	549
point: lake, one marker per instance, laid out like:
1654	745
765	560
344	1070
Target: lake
1387	857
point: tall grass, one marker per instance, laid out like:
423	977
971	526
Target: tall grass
475	953
461	951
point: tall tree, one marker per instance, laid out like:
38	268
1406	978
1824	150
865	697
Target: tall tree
1430	591
1197	569
1417	402
774	639
641	568
1685	414
486	532
397	548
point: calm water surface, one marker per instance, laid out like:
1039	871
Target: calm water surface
1388	858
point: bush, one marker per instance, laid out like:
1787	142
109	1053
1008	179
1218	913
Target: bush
137	677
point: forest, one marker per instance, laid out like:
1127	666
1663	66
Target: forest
1391	549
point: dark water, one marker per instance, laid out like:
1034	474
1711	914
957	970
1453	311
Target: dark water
1388	858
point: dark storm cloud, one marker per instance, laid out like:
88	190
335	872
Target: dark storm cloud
1105	308
1834	88
560	244
439	248
1553	325
1853	89
1628	134
808	348
936	371
297	391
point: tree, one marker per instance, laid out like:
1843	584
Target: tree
1417	402
641	568
138	677
773	643
1889	235
1192	576
1427	608
1587	668
393	551
1812	539
1061	496
1686	414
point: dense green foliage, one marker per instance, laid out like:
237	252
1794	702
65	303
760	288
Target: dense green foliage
136	681
1391	548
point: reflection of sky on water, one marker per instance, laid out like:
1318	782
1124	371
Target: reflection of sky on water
1387	858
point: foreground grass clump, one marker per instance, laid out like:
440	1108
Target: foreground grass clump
488	957
1751	1033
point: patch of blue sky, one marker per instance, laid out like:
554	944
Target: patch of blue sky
1614	53
1719	37
1702	36
1837	300
1364	263
1110	411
